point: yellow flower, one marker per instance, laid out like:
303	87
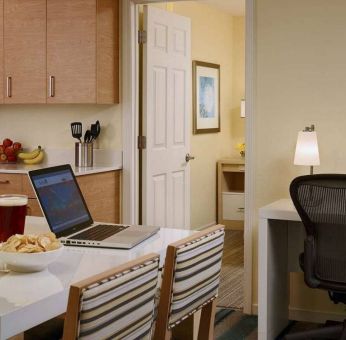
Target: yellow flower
241	147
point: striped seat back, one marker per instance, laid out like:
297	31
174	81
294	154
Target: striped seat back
196	274
120	305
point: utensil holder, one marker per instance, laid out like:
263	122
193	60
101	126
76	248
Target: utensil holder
84	154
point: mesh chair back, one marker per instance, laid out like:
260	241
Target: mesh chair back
321	203
120	306
196	274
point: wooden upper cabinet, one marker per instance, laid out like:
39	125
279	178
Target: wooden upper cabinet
59	51
1	52
24	51
107	51
71	51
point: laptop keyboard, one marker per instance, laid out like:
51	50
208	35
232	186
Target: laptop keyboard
99	232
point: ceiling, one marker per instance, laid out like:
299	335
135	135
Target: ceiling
235	7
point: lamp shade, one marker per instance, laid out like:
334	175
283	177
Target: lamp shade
307	149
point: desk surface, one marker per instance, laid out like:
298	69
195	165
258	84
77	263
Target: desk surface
27	299
280	210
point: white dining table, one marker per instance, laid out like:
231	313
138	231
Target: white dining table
28	299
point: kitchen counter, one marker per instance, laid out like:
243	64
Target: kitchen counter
104	160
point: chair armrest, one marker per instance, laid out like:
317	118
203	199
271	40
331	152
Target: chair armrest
309	260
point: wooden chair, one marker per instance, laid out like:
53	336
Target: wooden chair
190	282
116	304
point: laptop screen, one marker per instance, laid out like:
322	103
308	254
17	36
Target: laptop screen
60	199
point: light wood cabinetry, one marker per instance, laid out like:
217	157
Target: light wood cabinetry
59	51
34	208
10	184
101	192
1	49
25	51
107	51
71	51
230	193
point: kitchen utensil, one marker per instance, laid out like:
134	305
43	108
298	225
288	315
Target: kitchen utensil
76	129
95	130
87	136
98	128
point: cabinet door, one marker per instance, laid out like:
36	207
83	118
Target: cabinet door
102	195
71	51
1	52
25	51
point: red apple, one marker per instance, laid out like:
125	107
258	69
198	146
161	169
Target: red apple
2	149
17	146
9	151
3	157
12	158
7	142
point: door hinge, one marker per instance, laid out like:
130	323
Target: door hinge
142	37
142	142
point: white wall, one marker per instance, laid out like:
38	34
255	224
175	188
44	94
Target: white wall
300	79
49	125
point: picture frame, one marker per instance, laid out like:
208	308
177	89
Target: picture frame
206	97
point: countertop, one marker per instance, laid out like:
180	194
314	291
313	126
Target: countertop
104	161
24	169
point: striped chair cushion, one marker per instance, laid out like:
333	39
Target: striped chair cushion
120	307
197	275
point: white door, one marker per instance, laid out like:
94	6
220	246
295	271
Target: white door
166	117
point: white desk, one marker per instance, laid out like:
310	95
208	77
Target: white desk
280	241
27	300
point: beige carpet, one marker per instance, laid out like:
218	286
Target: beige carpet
231	285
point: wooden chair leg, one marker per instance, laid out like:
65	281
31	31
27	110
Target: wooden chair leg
167	335
162	334
206	326
184	330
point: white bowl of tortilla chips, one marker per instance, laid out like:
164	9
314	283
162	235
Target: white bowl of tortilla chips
30	253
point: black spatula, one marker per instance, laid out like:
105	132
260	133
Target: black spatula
76	129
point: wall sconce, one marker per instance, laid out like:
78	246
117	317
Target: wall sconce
242	108
307	148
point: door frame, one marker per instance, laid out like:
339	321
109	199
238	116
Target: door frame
130	110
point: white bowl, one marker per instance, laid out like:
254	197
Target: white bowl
29	262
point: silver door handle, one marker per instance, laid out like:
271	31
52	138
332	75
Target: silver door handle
9	87
189	158
51	86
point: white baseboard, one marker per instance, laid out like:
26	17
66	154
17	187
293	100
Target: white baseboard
308	315
205	226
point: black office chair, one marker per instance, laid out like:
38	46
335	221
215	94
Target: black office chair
320	201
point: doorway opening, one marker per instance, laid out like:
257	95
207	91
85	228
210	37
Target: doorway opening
217	172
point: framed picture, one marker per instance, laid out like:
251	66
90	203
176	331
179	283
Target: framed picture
206	97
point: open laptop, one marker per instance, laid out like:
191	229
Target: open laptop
69	218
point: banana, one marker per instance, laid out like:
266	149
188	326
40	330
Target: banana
38	159
29	155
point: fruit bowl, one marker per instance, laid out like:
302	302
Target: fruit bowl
29	262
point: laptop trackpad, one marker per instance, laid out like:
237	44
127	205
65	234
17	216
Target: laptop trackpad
131	234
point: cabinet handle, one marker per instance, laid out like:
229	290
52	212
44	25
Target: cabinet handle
5	182
51	86
241	209
9	87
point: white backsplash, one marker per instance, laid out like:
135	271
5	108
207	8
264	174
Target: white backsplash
102	157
